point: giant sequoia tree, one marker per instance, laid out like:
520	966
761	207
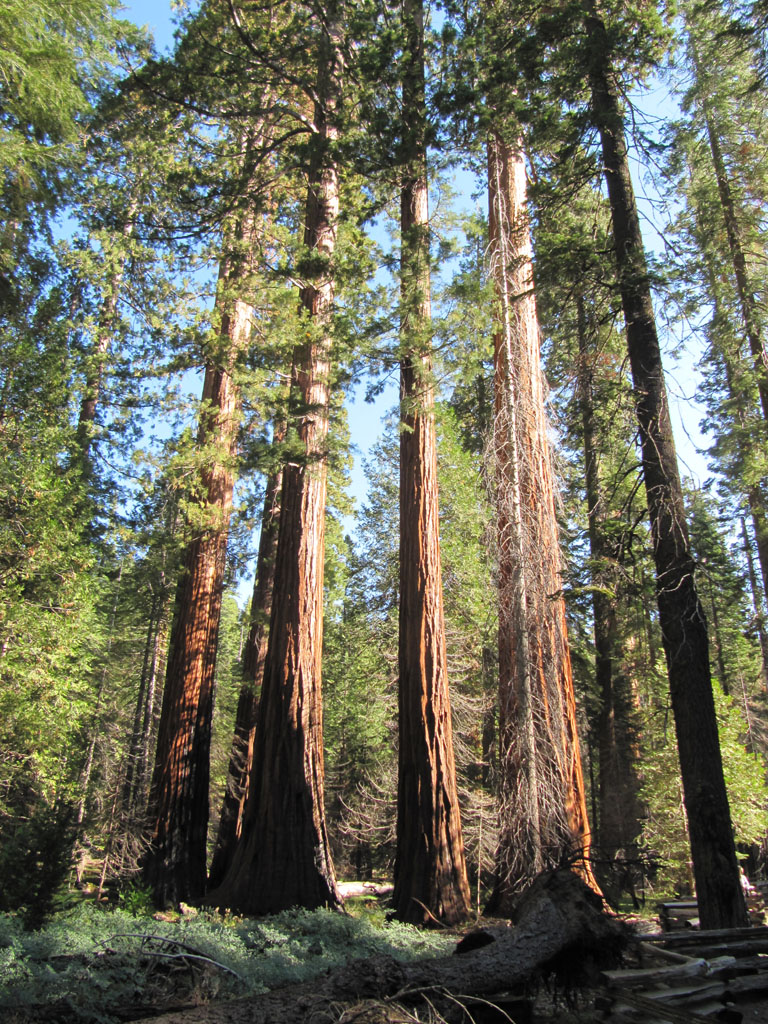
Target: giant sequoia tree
430	873
175	863
283	856
253	661
254	102
543	816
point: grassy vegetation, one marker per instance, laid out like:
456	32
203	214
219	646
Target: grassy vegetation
95	964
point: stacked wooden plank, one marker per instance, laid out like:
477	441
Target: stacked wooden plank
676	914
692	975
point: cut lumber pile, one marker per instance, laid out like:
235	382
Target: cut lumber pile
696	976
677	914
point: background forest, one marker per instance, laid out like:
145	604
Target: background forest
167	364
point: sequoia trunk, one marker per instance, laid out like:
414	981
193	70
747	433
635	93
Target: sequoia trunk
254	659
543	816
175	862
283	856
430	870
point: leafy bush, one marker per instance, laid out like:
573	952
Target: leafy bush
94	961
136	900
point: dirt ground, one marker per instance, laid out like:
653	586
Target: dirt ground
755	1012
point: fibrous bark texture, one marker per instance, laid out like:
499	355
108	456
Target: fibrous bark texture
175	863
543	816
683	625
430	871
283	857
254	659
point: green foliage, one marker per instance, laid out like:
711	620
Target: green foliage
35	860
97	961
722	108
664	833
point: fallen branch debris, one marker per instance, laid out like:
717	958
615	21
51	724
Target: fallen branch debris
560	926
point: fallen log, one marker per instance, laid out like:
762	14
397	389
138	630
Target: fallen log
353	889
559	925
640	977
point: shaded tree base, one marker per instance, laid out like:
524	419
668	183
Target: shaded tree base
559	927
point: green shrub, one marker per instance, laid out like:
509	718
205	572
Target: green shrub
35	859
98	960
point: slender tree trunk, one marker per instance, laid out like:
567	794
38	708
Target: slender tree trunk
175	863
543	814
683	625
730	350
253	661
757	599
283	857
89	402
139	714
150	720
744	290
96	724
430	871
619	823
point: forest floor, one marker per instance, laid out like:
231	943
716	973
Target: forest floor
104	964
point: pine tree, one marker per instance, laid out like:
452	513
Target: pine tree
683	624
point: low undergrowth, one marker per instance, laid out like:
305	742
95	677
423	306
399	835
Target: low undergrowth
95	964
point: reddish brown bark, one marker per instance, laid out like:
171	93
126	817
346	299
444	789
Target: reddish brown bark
543	815
430	871
254	659
683	625
175	862
283	857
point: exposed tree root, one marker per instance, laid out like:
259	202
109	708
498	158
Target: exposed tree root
560	927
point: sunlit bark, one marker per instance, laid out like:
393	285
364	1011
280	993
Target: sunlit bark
543	816
175	862
283	856
430	871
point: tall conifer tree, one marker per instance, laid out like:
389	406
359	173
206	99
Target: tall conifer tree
430	871
541	788
283	857
683	624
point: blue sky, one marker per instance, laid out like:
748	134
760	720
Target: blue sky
366	421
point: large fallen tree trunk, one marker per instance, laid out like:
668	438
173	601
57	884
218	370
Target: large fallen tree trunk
559	924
